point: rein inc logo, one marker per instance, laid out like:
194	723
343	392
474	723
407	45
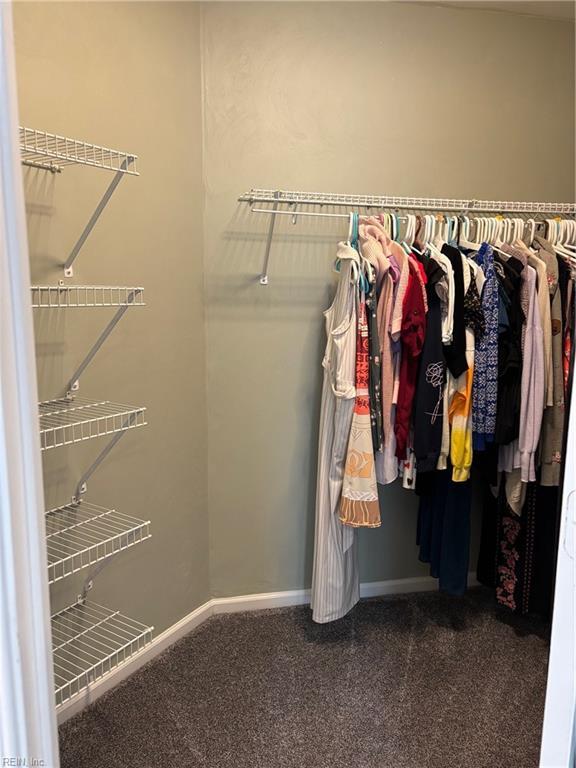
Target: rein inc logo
22	762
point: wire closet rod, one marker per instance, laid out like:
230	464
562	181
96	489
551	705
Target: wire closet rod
409	203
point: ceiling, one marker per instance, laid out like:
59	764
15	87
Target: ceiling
551	9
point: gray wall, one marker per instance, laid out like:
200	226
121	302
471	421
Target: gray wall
127	76
360	98
368	98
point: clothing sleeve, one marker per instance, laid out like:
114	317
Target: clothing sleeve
535	383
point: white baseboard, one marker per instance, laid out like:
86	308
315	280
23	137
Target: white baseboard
220	605
261	601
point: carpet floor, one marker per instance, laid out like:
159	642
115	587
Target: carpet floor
409	681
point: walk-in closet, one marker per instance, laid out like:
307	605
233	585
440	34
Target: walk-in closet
287	415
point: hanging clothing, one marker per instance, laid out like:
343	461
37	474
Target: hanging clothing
374	246
485	384
460	411
553	419
374	373
412	338
568	333
518	552
429	396
520	454
509	352
335	577
359	506
543	297
445	291
443	532
455	352
386	461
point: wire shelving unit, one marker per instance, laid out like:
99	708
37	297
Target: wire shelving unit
88	641
64	296
65	421
50	152
80	534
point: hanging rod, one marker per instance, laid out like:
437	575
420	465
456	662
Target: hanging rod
293	199
409	203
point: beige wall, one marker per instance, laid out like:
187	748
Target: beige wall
127	76
359	98
368	98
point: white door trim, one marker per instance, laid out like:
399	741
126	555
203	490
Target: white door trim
27	716
558	749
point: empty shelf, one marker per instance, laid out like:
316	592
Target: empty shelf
49	152
88	641
64	421
59	296
81	534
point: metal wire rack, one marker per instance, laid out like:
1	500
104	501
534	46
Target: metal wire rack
88	641
50	152
67	421
293	199
61	296
409	203
80	534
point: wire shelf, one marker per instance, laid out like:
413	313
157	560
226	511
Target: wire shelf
61	296
89	640
49	152
81	534
65	421
411	203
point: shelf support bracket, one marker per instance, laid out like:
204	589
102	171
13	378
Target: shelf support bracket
73	384
264	275
89	580
68	270
81	487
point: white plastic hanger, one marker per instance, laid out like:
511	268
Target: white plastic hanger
350	226
464	235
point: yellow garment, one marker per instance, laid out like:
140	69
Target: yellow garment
460	416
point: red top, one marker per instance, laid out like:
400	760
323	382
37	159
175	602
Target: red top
412	339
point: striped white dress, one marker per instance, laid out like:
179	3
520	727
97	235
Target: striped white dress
335	578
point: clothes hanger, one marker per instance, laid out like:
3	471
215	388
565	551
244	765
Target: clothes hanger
492	237
464	235
531	231
481	229
551	231
350	227
428	228
499	228
408	242
554	236
456	220
337	261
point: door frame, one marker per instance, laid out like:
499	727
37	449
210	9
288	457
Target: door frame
28	733
558	747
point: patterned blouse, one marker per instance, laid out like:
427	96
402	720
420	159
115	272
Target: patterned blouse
485	384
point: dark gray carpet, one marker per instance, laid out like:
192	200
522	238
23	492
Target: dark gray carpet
411	681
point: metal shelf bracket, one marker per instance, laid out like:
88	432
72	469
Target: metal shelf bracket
68	269
264	275
74	382
82	485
